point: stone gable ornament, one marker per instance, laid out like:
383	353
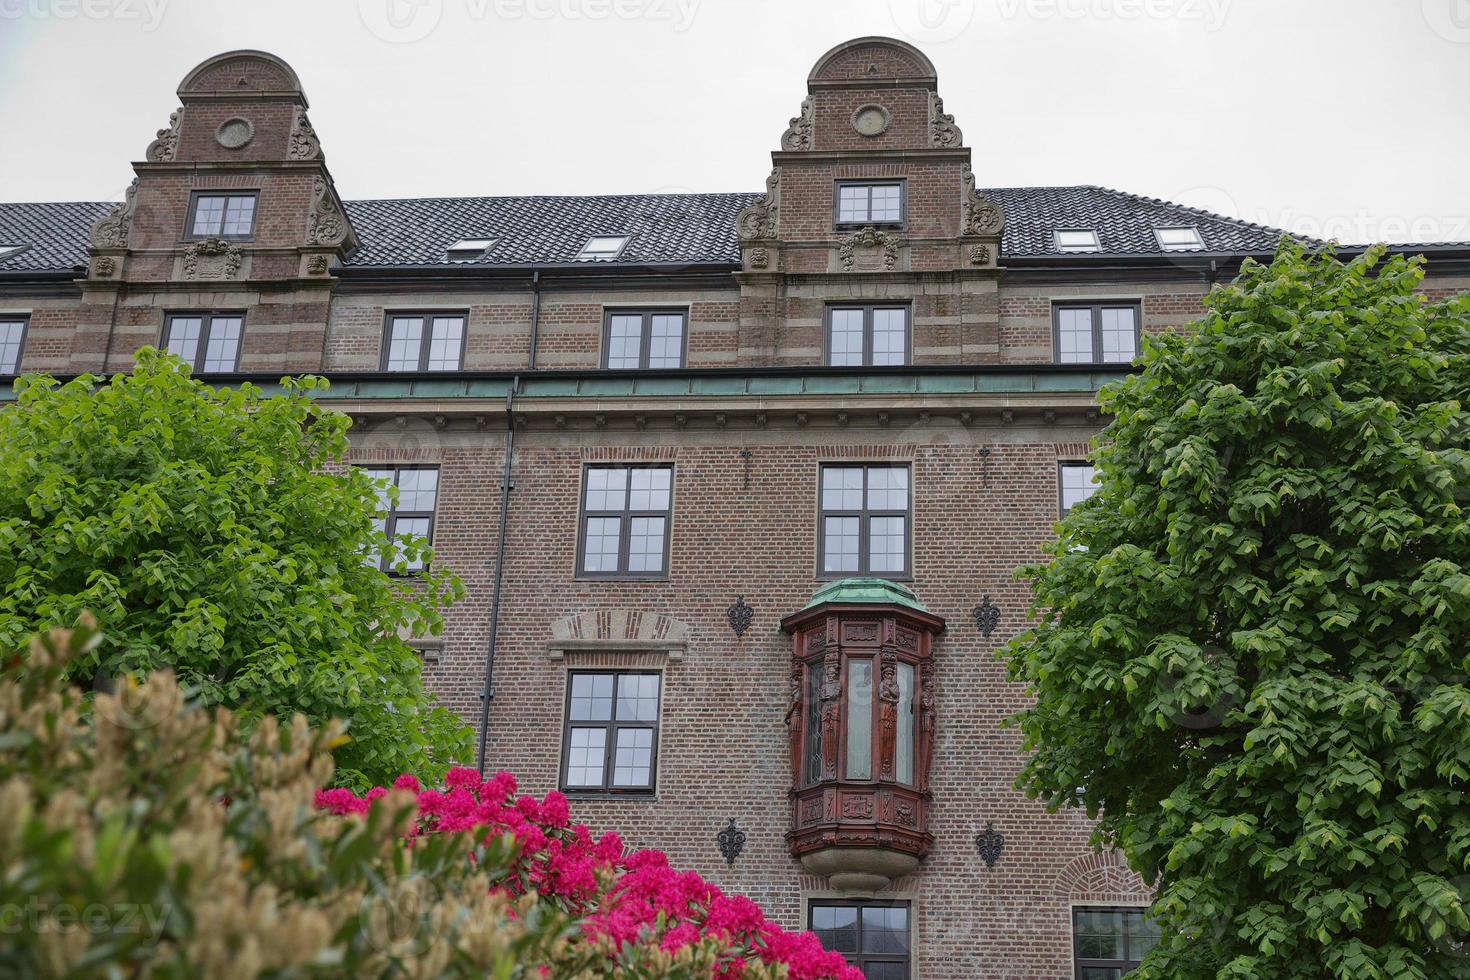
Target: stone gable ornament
979	254
304	144
869	239
871	119
759	258
798	135
981	215
234	133
942	130
111	230
104	267
758	220
166	144
212	258
326	226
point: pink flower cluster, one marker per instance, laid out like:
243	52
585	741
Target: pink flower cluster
631	898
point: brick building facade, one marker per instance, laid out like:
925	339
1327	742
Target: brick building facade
773	461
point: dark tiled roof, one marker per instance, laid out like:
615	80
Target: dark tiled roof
55	234
667	229
1124	222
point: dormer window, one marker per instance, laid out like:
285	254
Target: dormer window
229	216
1179	239
861	203
469	249
1077	240
602	248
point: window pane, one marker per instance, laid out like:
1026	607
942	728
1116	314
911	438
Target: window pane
404	338
836	927
224	344
1143	934
852	203
411	526
666	346
607	488
445	341
886	971
183	337
239	215
417	489
859	719
209	214
638	697
886	544
1099	973
885	204
648	488
845	342
11	332
840	544
586	749
842	487
1077	485
885	929
813	741
1074	336
1118	335
592	697
903	763
600	549
385	480
1098	934
890	330
646	544
633	757
888	488
624	340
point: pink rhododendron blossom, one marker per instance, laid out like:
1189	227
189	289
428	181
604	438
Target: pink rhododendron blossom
629	898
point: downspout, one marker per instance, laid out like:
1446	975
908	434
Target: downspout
488	692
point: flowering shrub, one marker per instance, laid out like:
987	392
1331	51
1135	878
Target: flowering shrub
148	836
623	902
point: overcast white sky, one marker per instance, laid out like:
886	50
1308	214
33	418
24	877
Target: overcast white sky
1341	118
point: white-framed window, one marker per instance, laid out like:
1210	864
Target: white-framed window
1077	240
12	341
603	248
1183	239
469	249
1075	483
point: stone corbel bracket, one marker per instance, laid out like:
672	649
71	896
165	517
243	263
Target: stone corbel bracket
618	631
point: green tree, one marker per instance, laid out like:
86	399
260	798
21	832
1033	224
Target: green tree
1251	654
217	533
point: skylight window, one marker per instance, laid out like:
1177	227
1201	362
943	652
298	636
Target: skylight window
469	249
1077	240
1179	239
603	248
6	251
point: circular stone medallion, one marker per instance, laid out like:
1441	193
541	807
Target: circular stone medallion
871	120
234	133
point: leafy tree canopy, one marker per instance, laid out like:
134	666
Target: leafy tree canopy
1251	657
217	534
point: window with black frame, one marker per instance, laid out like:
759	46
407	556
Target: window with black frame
413	514
643	339
424	342
209	342
869	203
1095	333
872	936
864	524
861	335
626	513
12	342
229	216
1109	943
610	742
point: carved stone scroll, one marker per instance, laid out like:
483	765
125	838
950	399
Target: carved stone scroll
798	135
942	130
163	148
758	220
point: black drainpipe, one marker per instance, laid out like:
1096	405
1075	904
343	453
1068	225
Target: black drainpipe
488	692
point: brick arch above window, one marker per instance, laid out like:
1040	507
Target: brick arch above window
1101	879
618	631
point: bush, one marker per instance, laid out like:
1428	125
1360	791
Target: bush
152	837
